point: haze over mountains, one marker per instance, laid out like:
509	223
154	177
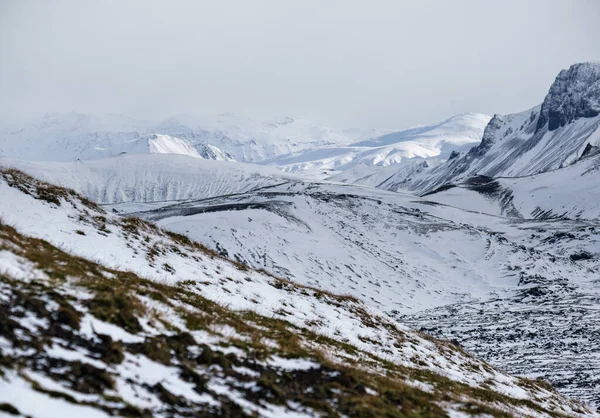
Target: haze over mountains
70	136
479	230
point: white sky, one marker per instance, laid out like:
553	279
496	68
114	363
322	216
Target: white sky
368	63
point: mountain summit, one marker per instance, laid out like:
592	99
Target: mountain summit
574	94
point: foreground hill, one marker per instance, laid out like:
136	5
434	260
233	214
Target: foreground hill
185	332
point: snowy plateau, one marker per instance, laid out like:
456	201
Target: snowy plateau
225	266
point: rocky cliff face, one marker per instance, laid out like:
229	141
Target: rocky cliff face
489	135
574	94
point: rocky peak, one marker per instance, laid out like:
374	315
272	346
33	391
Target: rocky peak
574	94
489	135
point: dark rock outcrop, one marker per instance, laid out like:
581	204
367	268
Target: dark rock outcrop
574	94
488	138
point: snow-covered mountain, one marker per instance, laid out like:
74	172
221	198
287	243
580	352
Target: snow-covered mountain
558	133
156	144
72	136
109	316
64	137
292	145
390	249
76	136
433	144
251	140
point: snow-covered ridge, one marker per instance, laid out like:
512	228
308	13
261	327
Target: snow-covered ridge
151	177
157	144
461	129
166	347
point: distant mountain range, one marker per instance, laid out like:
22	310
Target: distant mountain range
72	136
290	144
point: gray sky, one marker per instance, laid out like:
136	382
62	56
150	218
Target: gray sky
349	63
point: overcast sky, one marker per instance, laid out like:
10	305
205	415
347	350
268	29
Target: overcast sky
349	63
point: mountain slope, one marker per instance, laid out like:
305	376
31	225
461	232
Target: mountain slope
184	332
459	130
569	193
389	248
